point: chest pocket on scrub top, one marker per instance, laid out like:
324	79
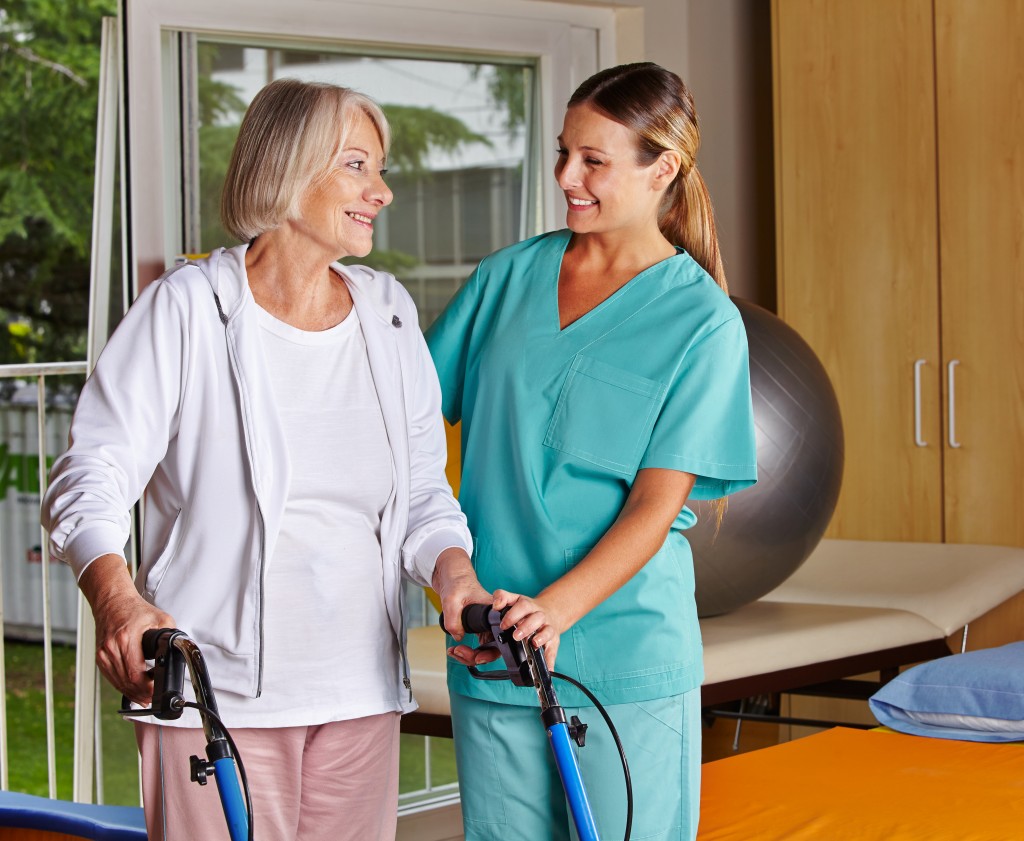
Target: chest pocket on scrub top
604	415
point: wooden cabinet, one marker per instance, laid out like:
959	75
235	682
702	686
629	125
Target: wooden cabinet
980	119
900	209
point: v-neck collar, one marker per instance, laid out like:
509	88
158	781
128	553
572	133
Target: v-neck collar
594	312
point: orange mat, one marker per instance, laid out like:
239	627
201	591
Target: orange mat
856	785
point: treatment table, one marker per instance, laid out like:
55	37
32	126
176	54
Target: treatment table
857	785
853	607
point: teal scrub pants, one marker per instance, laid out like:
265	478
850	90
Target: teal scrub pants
510	786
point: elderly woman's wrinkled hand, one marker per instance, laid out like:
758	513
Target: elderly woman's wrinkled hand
457	586
122	617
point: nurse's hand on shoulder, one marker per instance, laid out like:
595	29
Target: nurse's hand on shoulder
534	619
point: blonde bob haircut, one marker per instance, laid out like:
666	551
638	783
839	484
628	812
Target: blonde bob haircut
290	137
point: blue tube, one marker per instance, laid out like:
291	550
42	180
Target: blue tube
572	782
231	798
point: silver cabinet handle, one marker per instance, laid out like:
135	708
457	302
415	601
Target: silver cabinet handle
918	440
951	389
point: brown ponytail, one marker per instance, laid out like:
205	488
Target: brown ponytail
688	219
658	107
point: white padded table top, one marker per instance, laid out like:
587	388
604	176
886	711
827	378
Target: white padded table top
758	638
764	637
949	584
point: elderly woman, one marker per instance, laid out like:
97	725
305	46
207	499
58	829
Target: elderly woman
282	415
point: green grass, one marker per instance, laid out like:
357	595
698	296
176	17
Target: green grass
26	727
413	763
26	717
26	731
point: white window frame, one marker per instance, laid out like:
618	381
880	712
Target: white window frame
560	37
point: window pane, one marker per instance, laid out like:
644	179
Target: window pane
458	155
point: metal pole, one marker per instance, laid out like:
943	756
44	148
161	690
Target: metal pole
51	752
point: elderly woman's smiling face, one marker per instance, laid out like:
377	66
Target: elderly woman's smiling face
338	210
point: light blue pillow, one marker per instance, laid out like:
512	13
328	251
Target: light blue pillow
976	697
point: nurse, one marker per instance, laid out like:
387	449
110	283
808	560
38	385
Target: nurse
600	373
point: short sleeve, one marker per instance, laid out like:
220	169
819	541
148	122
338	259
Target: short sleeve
706	426
448	339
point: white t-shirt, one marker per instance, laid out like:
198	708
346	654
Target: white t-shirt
329	650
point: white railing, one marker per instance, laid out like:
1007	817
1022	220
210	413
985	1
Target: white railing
39	372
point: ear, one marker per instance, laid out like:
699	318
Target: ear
665	169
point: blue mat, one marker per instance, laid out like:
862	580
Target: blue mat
86	820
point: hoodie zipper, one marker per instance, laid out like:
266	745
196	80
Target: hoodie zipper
259	507
401	636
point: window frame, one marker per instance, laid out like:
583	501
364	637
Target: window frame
567	42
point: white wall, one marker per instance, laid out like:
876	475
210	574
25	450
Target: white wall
721	49
730	77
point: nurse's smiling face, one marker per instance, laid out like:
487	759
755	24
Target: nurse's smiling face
606	190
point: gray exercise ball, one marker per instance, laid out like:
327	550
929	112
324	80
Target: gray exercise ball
770	529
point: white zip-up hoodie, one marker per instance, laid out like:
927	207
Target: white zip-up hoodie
179	405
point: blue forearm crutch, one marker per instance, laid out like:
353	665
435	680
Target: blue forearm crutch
171	651
572	781
526	667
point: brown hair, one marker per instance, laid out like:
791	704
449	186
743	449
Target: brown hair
289	138
655	104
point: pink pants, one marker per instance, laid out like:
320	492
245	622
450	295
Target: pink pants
331	782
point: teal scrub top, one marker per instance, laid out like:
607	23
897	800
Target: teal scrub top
555	425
